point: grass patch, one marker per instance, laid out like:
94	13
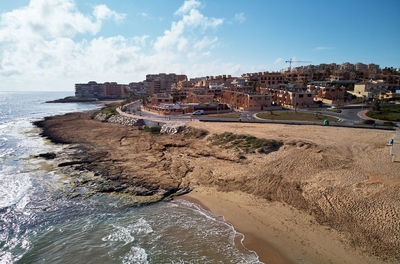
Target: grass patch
295	116
112	110
153	130
326	109
228	115
389	113
334	110
246	143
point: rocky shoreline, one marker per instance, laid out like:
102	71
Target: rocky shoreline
73	99
94	168
350	188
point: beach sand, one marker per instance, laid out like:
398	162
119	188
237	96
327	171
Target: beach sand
279	233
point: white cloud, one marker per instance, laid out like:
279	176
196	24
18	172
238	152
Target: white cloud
103	12
57	18
278	60
141	40
205	42
51	45
176	35
239	17
187	6
324	48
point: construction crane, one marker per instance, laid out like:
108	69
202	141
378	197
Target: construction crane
291	61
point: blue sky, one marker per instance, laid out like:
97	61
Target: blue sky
55	43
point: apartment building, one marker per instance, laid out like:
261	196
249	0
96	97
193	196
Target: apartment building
369	89
199	97
360	66
291	98
115	90
330	94
373	67
245	101
182	85
264	79
90	89
223	80
271	79
239	82
162	82
106	90
161	98
347	66
342	75
137	88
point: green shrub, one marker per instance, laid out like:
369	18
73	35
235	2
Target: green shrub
112	110
246	143
154	130
389	113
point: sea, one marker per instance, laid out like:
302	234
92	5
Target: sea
41	223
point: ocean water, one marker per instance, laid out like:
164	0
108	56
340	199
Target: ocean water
40	224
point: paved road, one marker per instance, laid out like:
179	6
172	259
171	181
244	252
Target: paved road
347	116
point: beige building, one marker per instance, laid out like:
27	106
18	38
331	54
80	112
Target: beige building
331	95
369	89
199	97
162	82
291	98
245	101
360	66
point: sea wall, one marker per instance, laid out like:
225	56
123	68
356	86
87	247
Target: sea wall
119	119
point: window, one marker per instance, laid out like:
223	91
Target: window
300	95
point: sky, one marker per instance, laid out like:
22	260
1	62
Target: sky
49	45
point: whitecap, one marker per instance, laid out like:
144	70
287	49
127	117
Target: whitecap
122	234
142	226
13	187
136	255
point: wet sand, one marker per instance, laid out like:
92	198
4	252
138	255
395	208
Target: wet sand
266	252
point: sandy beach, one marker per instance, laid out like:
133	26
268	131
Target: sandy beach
325	195
278	232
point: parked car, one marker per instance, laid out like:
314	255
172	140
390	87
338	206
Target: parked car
198	112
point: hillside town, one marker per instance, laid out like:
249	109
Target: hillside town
301	87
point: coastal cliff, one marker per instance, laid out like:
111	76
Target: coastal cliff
352	187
